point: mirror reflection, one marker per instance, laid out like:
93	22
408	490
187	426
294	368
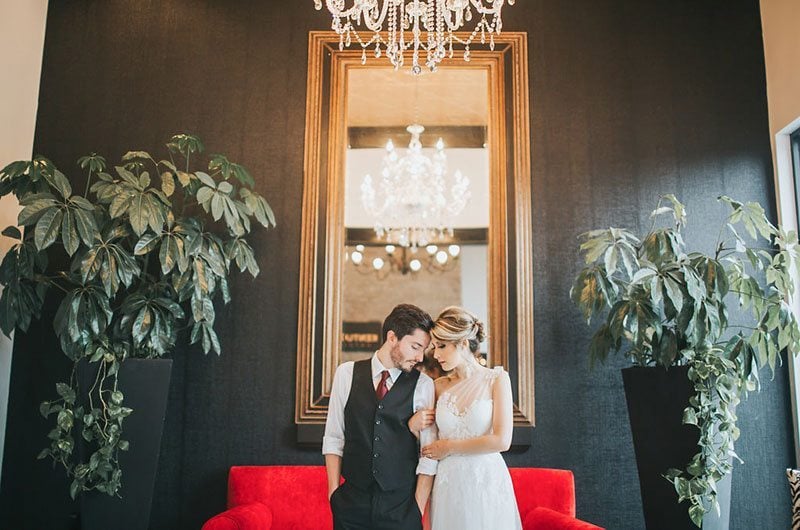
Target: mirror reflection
370	227
416	198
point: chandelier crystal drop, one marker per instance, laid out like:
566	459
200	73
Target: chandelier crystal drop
413	203
432	25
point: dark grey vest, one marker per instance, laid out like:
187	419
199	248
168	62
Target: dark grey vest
378	446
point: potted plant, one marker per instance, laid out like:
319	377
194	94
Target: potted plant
144	253
692	361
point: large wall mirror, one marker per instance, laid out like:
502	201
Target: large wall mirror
460	136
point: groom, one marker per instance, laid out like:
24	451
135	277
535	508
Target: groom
367	440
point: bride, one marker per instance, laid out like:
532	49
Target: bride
474	417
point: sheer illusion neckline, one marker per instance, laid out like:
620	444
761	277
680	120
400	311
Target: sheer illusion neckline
480	372
461	396
452	406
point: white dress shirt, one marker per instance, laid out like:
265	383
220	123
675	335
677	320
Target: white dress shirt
424	396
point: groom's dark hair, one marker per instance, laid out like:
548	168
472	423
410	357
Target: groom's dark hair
404	319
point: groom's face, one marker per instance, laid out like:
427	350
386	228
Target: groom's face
408	351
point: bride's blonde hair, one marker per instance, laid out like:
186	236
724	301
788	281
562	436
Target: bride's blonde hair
455	324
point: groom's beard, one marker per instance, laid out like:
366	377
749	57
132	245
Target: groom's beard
396	355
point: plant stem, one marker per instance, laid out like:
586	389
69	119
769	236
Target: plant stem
740	327
104	408
51	280
88	182
751	295
91	390
719	236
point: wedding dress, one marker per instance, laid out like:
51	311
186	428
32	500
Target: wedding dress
471	492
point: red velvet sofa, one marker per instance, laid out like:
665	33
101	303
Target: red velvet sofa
294	498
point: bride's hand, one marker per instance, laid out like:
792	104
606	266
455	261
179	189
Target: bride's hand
437	450
421	420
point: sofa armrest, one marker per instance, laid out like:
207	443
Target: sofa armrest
546	519
252	516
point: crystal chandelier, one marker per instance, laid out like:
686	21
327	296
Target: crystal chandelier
412	205
402	260
432	24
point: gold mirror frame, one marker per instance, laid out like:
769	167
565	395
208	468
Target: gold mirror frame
510	264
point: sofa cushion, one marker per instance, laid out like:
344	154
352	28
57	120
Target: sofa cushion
550	488
297	495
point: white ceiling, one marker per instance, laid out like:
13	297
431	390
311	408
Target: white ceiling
383	97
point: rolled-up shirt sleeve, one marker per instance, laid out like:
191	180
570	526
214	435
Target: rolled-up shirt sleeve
333	439
425	398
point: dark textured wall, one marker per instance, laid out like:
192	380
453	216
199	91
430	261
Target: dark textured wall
629	100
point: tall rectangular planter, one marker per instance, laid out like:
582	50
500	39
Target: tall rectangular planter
656	399
145	385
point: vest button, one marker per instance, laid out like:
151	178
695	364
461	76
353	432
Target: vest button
377	438
374	471
376	455
377	422
380	406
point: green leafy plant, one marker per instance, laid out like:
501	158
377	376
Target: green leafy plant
670	307
142	254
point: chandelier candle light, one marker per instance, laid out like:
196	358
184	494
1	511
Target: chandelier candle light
404	260
412	205
437	19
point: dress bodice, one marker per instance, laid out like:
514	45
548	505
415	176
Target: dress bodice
471	491
465	409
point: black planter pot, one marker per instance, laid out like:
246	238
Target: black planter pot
656	400
145	384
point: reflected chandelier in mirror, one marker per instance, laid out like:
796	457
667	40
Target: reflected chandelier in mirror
401	212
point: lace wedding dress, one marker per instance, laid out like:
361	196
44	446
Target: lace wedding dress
471	492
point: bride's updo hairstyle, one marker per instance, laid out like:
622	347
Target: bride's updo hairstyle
455	324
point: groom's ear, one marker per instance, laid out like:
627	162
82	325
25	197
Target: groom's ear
391	337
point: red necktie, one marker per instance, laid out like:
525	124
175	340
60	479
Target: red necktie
382	389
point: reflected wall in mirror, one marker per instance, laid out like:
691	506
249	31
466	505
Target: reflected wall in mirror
416	190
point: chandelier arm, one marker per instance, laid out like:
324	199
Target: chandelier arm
376	24
451	22
494	7
338	12
360	12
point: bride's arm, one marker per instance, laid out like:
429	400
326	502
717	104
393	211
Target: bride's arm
502	428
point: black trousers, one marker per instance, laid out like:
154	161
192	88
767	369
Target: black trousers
357	508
